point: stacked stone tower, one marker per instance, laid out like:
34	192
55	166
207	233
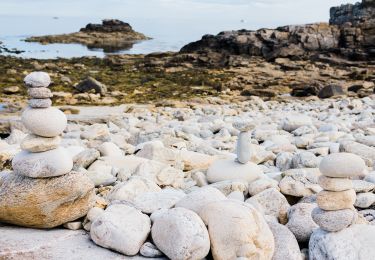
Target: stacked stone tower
43	191
41	156
336	210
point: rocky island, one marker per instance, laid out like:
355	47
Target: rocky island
110	36
244	145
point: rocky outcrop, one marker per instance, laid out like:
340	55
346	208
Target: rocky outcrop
111	35
350	33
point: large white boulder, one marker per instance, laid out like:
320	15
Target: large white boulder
237	230
121	228
180	234
198	199
353	243
229	169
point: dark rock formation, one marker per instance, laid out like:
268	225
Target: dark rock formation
91	84
108	26
111	36
331	91
350	34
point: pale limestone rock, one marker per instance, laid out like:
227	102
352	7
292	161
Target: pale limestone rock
335	184
223	170
51	163
44	203
300	221
150	202
132	188
272	202
336	200
121	228
342	165
36	144
300	182
334	220
286	245
198	199
248	236
180	234
353	243
46	122
37	79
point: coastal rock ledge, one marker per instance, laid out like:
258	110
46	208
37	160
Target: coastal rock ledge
350	33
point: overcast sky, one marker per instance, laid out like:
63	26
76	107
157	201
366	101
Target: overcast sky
260	12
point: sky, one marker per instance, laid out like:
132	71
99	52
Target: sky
258	12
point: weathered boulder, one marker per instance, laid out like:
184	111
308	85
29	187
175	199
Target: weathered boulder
237	230
121	228
331	91
353	243
272	202
180	234
44	203
198	199
300	221
286	245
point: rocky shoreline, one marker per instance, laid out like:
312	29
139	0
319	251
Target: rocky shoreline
297	177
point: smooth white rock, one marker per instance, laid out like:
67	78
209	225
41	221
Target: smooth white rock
51	163
37	79
272	202
237	230
342	165
46	122
121	228
222	170
353	243
198	199
286	245
132	188
180	234
150	202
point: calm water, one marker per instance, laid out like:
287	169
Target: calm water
171	23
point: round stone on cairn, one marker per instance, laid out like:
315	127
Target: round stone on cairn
41	156
240	168
336	201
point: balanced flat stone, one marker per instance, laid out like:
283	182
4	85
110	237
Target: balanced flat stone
342	165
46	122
222	170
334	220
39	93
36	144
37	79
335	184
40	102
336	200
51	163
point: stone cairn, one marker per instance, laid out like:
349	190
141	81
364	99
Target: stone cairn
41	156
336	201
240	168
